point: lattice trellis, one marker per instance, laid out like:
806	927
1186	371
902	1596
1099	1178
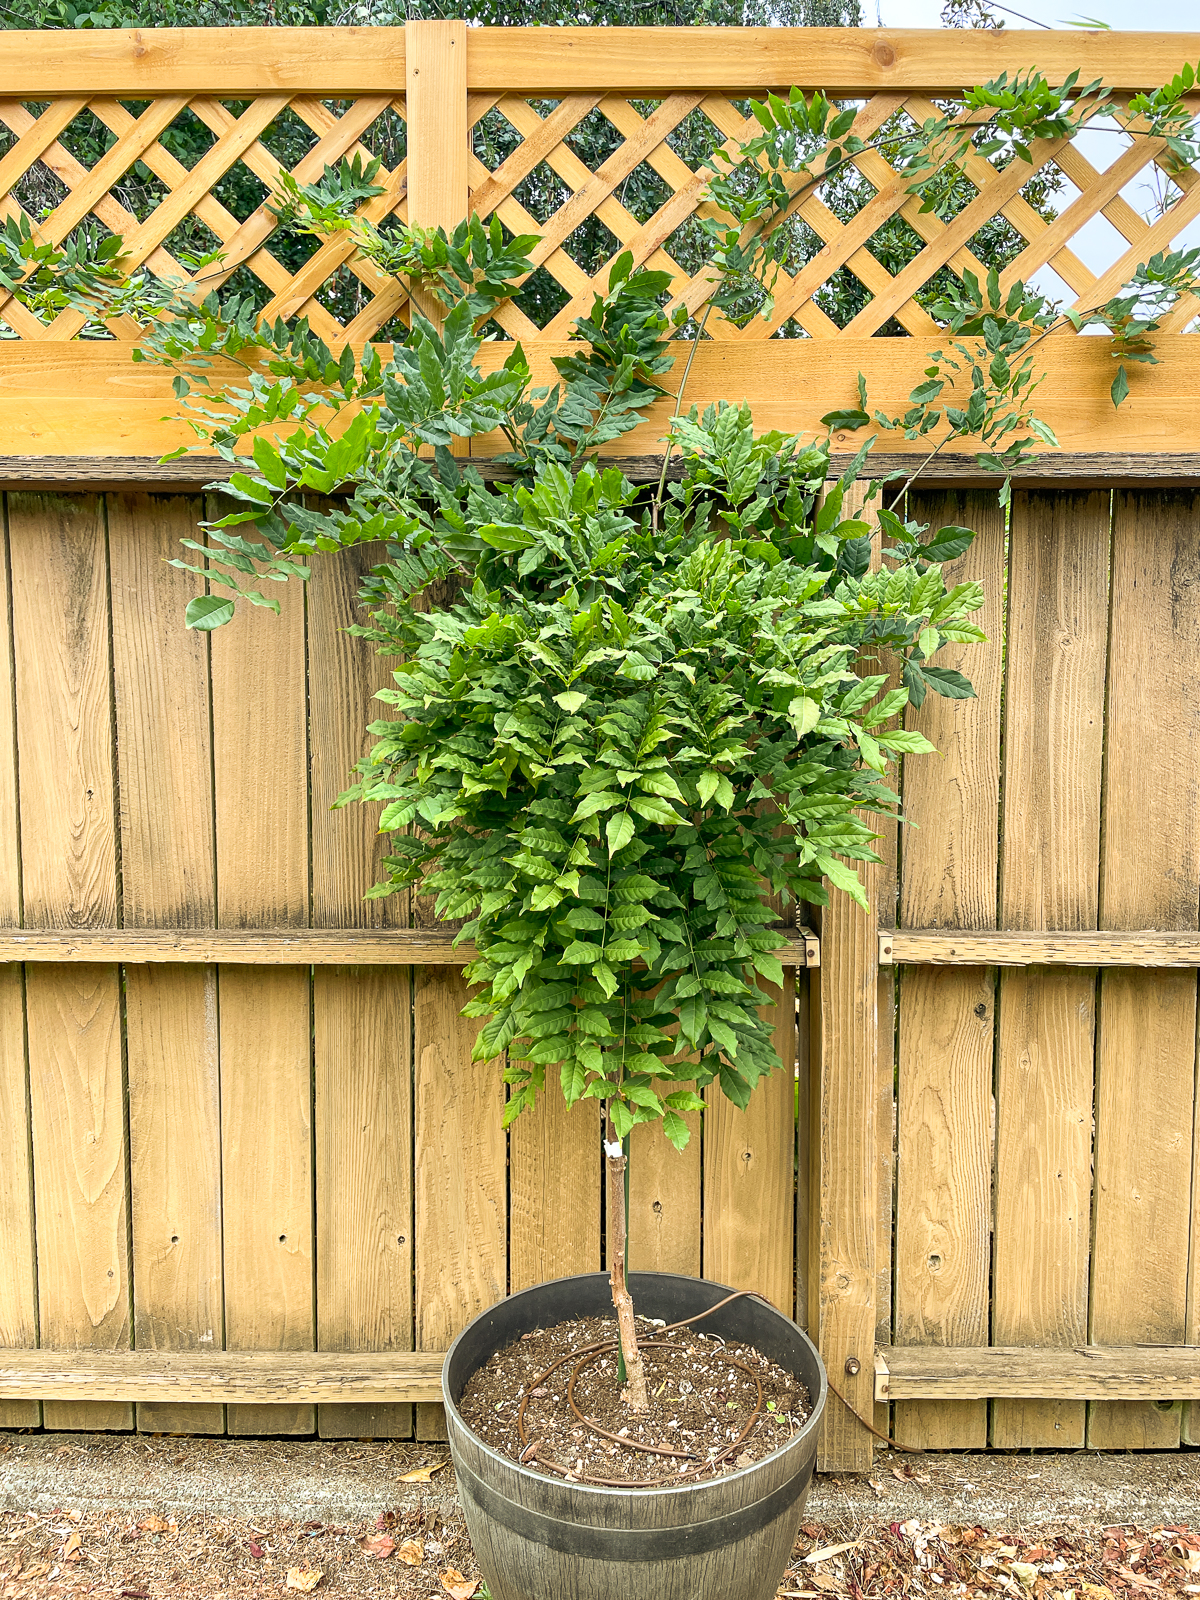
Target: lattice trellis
644	136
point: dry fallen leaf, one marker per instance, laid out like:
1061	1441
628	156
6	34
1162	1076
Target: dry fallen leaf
381	1546
458	1587
256	1550
71	1550
305	1579
154	1524
422	1474
411	1552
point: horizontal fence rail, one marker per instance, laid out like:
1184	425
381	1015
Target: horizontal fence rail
1000	948
325	947
1089	1372
221	1378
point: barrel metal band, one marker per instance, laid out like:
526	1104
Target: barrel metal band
632	1544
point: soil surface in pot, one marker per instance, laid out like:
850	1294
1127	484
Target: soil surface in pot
715	1406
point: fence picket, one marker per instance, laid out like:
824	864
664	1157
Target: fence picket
68	859
1054	723
948	878
1150	864
260	772
362	1021
161	697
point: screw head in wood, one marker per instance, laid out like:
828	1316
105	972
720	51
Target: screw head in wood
852	1367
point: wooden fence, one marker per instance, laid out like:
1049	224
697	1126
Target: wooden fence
249	1179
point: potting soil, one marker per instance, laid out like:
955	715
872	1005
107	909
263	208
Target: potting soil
715	1406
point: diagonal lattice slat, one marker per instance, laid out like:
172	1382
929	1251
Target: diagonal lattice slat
346	298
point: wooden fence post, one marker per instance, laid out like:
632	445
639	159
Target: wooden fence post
470	1229
845	1140
846	1173
435	72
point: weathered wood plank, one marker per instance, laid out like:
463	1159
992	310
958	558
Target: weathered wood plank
18	1285
843	1102
748	1182
664	1199
266	1137
1150	864
79	1165
175	1168
284	947
161	694
944	1124
10	839
262	814
1023	948
261	1378
844	1176
363	1061
60	628
1054	722
1030	1373
345	673
68	851
554	1189
460	1175
362	1020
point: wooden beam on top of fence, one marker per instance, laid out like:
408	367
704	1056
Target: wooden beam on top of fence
336	62
838	60
286	947
1028	1372
87	398
1011	948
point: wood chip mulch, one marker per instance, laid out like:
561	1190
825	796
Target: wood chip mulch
419	1555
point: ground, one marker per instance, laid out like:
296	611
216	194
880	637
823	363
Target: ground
146	1518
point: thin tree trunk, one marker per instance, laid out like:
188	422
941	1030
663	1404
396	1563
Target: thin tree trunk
635	1392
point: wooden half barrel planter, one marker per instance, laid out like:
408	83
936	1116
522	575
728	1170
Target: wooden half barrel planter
538	1538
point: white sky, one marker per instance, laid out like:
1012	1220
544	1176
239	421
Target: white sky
1150	16
1097	243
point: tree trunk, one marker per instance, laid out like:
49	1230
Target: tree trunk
635	1392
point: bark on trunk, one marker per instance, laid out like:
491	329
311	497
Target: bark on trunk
635	1391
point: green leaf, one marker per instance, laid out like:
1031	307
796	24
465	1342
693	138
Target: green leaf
693	1018
642	1096
570	700
676	1129
622	1117
844	878
601	800
619	830
208	611
804	713
1120	387
908	741
574	1081
948	682
653	810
